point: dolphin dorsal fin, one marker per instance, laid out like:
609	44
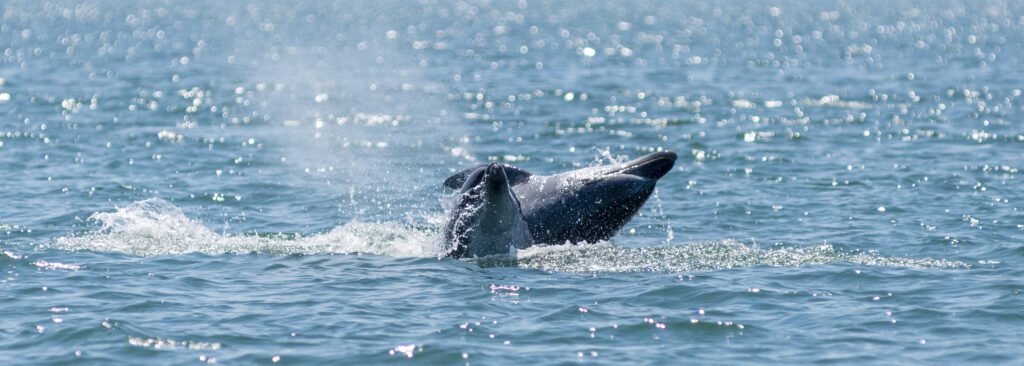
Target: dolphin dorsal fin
515	176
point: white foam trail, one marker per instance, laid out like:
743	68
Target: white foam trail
605	257
157	227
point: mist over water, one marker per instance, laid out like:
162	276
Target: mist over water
261	183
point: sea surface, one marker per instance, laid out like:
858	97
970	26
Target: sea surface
227	183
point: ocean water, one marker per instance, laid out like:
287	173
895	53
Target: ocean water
192	182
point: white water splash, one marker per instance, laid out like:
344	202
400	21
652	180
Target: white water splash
157	227
604	156
659	210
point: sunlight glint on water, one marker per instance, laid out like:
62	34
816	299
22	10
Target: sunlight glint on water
257	183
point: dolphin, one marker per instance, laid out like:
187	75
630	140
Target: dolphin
583	205
486	218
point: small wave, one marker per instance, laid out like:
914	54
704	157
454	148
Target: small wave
170	344
8	258
157	227
56	265
605	257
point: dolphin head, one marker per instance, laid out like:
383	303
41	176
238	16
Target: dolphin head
486	218
651	167
592	204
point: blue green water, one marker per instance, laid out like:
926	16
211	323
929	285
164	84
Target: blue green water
226	183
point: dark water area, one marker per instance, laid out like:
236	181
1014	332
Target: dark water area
261	183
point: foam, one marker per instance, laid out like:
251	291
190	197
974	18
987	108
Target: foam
706	256
702	256
157	227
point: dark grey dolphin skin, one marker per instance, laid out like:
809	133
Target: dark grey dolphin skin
584	205
486	218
